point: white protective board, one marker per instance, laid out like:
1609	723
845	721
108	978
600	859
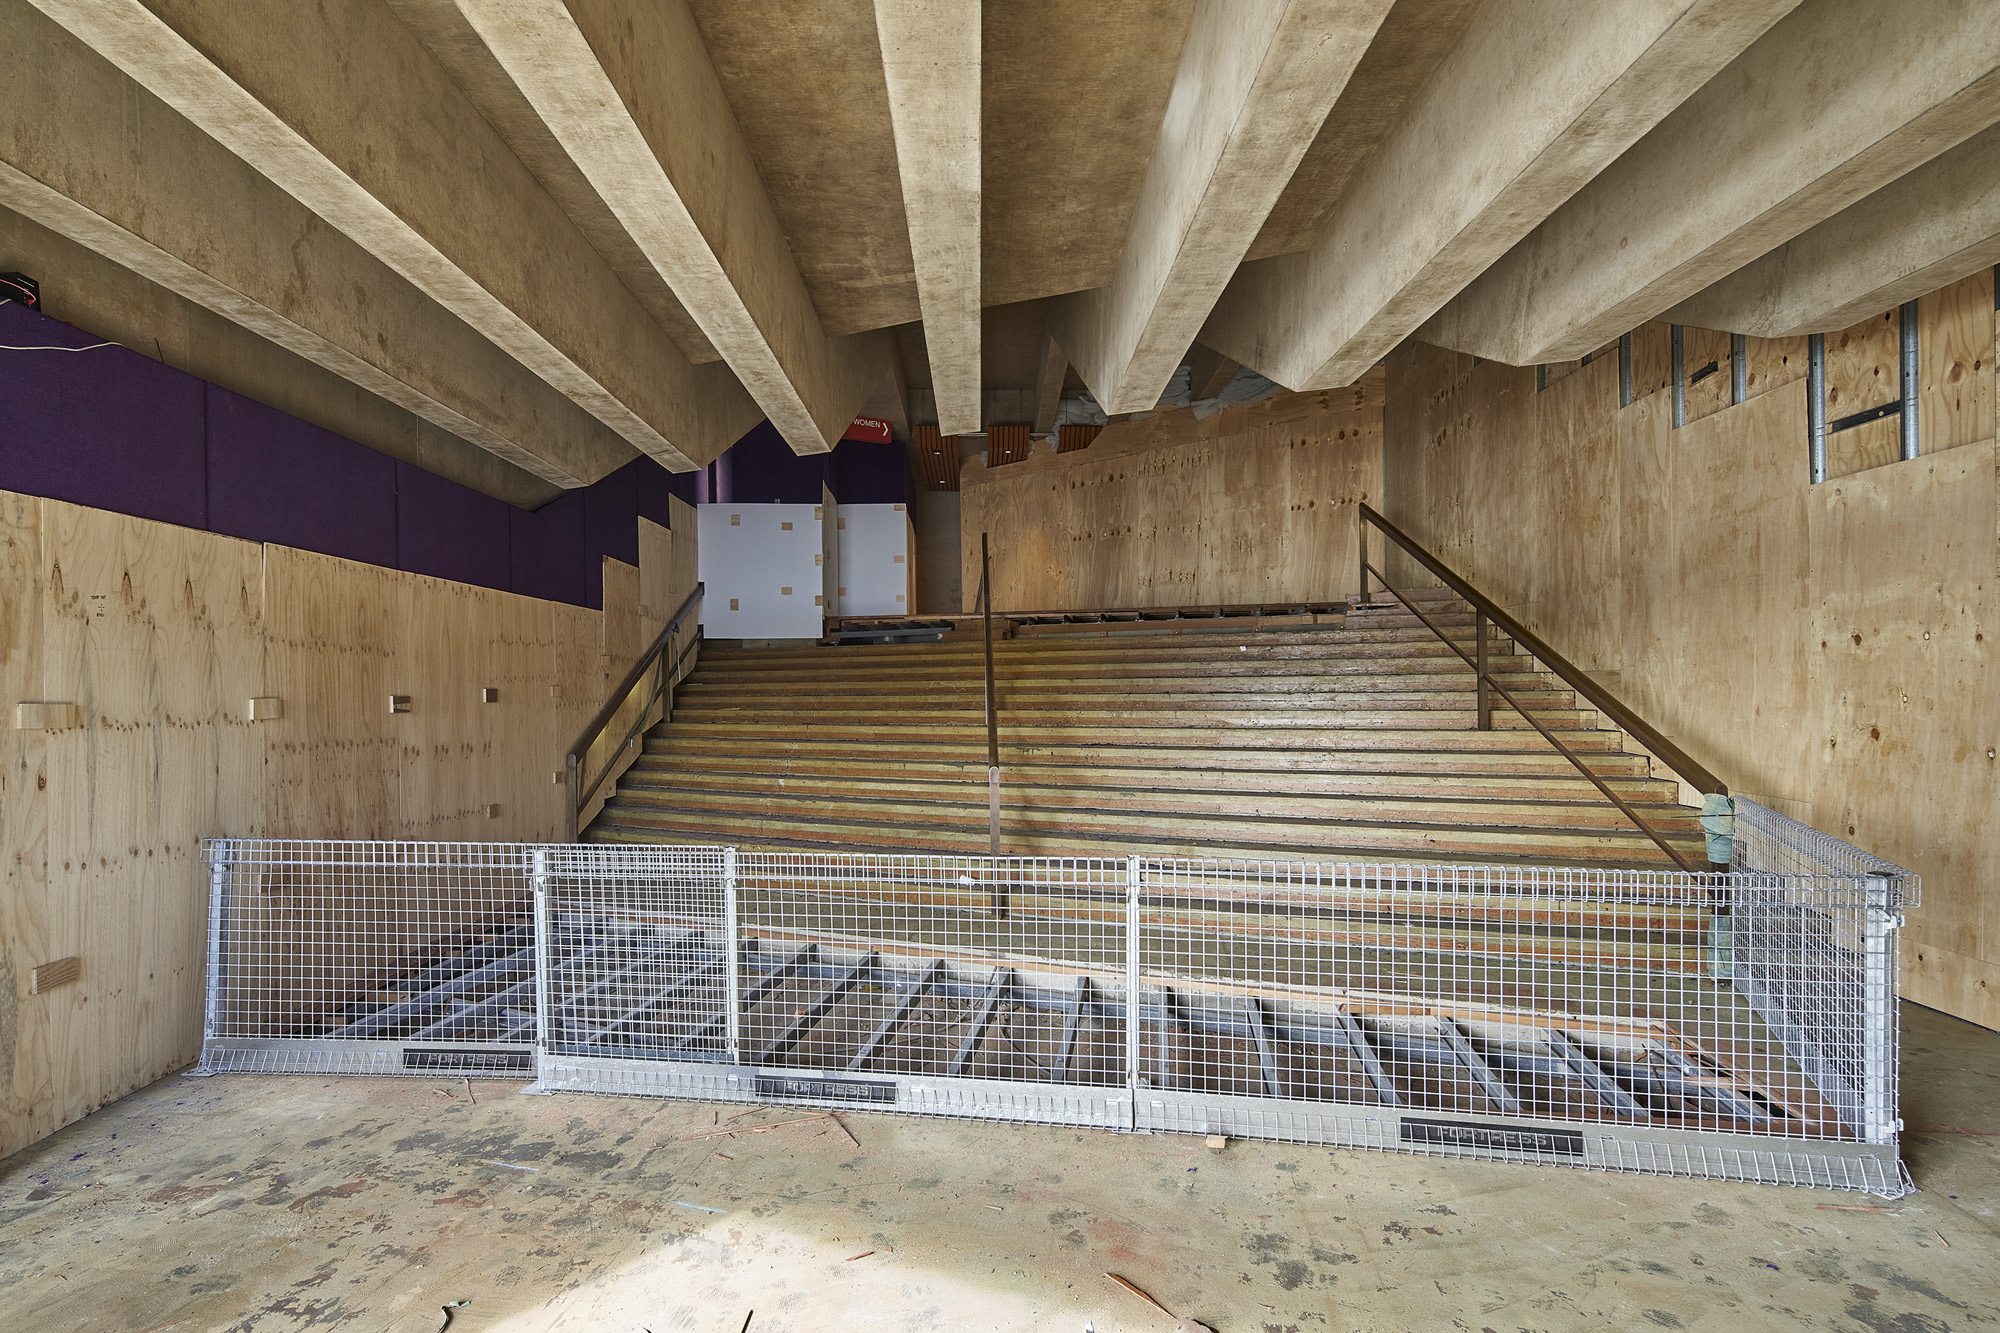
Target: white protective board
762	568
876	542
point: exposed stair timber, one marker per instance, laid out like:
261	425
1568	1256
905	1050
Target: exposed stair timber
1351	739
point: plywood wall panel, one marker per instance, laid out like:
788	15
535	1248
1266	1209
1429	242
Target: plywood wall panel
27	1091
1863	365
333	629
1912	708
154	630
1172	511
1825	646
1955	364
1702	348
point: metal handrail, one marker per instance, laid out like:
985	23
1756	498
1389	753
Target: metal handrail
999	898
1603	700
579	794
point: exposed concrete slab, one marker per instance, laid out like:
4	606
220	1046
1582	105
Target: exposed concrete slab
1254	86
443	27
633	100
1531	104
1412	41
807	86
271	1203
1926	230
342	106
931	63
1835	102
1071	104
87	153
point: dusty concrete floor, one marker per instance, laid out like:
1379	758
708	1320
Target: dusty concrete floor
294	1203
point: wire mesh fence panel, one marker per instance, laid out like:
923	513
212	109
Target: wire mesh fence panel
1812	948
1563	1016
369	957
1737	1025
957	985
634	959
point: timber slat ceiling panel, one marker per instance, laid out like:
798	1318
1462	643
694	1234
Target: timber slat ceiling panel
1007	444
1069	439
937	458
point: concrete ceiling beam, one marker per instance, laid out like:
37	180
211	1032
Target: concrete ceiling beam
631	96
1839	99
1255	83
444	28
1533	101
1049	382
91	156
343	107
931	61
1926	230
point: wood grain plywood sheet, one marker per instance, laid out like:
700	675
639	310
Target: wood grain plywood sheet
333	633
1902	630
28	1107
1172	511
155	631
1955	402
1824	646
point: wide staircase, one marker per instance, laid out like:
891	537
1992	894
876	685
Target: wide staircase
1342	741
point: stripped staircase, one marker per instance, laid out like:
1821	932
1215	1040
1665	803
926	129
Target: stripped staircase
1347	740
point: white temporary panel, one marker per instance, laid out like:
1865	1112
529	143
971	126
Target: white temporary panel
876	546
762	568
829	545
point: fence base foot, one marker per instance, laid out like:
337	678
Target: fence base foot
536	1090
199	1071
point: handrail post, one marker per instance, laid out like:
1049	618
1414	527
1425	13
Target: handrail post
571	815
1361	540
1484	696
999	895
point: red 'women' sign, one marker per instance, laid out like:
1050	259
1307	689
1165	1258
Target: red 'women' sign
868	428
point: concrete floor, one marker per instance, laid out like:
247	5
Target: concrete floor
247	1203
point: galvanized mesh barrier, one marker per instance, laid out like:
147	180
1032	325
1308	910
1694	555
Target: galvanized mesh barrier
369	958
1737	1026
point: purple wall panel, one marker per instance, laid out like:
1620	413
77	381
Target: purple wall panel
275	478
867	473
762	469
450	531
611	525
547	551
107	427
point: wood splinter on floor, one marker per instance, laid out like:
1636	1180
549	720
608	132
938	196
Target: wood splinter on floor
852	1257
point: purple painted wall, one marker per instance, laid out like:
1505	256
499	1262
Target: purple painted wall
109	428
105	427
761	468
274	478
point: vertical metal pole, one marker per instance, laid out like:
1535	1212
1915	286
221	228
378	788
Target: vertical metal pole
1908	320
1132	1080
1680	377
1878	1014
221	854
1816	405
1361	543
539	882
1624	370
570	811
998	898
1739	368
732	930
1485	696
